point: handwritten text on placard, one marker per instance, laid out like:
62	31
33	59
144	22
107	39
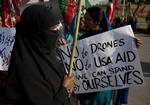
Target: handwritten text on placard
106	61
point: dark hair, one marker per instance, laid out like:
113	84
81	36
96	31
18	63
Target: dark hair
95	13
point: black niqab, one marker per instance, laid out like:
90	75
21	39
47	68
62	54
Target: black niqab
35	75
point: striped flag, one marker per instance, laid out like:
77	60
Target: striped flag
10	13
6	17
67	8
111	12
0	13
17	11
63	5
70	10
14	11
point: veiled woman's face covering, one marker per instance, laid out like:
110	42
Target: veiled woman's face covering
40	17
41	24
58	28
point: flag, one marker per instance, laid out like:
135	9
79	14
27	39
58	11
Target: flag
73	25
17	11
87	4
111	12
10	13
105	23
69	13
70	33
0	13
14	11
63	5
67	8
6	17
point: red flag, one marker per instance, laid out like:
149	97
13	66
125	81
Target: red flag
111	13
69	14
6	17
17	12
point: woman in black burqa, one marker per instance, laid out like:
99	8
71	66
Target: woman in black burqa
35	75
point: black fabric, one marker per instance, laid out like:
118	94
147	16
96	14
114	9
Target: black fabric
35	75
3	82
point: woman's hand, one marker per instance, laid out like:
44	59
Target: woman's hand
137	41
61	41
68	83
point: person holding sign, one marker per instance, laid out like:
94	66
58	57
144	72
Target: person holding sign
94	21
35	76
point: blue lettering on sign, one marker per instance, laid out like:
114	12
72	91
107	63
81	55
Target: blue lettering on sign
9	40
2	37
6	43
2	52
6	59
6	40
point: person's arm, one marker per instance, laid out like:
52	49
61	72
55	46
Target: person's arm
67	89
137	41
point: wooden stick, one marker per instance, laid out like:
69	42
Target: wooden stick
75	38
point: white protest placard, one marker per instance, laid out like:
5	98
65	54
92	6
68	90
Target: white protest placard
106	61
7	39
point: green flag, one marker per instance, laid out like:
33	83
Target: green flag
87	4
63	5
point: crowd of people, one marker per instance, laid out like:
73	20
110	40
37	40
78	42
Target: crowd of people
122	21
36	75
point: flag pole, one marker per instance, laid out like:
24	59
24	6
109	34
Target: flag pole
123	9
75	39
